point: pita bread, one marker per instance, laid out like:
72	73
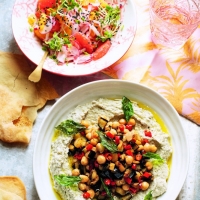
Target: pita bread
12	188
20	98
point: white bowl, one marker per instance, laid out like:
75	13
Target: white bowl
111	88
31	46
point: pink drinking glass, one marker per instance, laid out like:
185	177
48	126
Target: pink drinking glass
172	22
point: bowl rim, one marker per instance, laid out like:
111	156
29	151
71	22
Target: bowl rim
112	81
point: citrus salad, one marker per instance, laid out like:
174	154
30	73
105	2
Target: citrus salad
76	31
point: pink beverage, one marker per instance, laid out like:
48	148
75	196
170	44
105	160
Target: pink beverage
171	26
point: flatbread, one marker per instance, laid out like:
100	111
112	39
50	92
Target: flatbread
12	188
20	98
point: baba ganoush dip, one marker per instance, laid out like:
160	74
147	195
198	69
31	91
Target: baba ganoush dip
110	149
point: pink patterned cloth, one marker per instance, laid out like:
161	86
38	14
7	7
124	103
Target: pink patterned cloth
175	74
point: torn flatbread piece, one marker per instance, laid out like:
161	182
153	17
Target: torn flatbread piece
20	98
12	188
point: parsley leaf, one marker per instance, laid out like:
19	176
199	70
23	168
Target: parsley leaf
127	107
107	142
107	190
70	127
148	196
156	159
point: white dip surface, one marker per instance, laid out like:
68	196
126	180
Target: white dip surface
111	108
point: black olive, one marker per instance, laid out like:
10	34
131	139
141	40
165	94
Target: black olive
132	175
71	153
82	169
96	187
92	154
117	174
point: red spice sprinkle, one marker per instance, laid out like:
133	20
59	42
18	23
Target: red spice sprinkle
103	193
112	183
86	195
129	127
147	133
129	152
79	155
107	181
128	180
108	156
89	147
121	127
144	141
117	139
134	166
133	190
146	174
127	147
138	157
110	135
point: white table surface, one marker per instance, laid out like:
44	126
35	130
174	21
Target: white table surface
17	159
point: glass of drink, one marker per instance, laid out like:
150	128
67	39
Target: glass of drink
172	22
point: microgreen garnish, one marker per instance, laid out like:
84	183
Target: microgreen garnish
67	181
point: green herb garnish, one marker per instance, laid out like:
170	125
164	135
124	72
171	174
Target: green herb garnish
148	196
107	142
56	42
107	190
156	159
127	107
70	127
67	181
69	4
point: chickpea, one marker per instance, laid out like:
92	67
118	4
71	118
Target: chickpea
149	165
80	142
131	122
153	148
84	178
125	187
120	182
84	160
120	166
71	147
85	123
101	159
77	135
100	148
91	192
75	172
140	148
120	191
113	131
115	125
122	121
94	174
120	146
111	166
129	160
94	141
114	157
126	131
89	136
144	185
147	147
137	176
82	186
